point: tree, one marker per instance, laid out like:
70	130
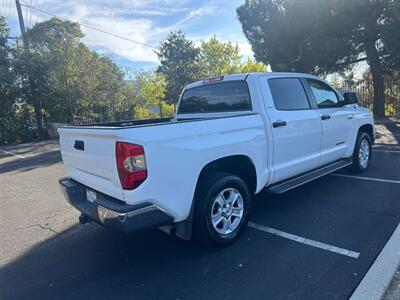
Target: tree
152	89
43	70
391	38
108	82
69	79
252	66
179	63
325	36
131	98
218	58
7	86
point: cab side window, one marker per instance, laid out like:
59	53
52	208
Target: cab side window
288	94
324	95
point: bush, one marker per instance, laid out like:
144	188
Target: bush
168	110
15	125
143	113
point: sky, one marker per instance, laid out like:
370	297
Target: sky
145	21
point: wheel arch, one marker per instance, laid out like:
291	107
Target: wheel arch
239	165
369	129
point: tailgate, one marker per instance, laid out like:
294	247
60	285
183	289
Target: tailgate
89	158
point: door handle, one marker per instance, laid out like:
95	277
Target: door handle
349	117
325	117
279	123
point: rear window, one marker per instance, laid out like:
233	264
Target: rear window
288	94
217	97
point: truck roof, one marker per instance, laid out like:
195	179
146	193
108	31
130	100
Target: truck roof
243	76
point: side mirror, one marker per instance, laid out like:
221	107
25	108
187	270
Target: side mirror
350	98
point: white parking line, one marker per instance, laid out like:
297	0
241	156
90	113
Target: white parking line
17	155
305	241
366	178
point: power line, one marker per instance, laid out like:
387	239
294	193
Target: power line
91	27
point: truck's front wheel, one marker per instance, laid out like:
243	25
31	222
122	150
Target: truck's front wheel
362	153
222	204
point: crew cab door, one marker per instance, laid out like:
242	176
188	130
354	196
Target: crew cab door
337	121
296	127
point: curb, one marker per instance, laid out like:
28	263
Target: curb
378	278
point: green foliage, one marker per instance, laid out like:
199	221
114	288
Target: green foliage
168	109
13	119
218	58
390	34
152	90
391	110
130	98
7	74
61	80
141	113
179	63
325	36
296	35
182	62
152	87
64	78
252	66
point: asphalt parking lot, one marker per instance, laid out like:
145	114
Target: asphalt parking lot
314	242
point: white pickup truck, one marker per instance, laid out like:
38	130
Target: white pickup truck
232	137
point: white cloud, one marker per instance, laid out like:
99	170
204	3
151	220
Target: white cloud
177	25
245	49
115	19
143	21
136	30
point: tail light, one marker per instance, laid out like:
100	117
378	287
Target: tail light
131	165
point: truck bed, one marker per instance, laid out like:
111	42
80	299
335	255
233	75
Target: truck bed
130	123
89	151
149	122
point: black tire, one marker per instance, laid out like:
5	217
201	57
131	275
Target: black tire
357	166
207	191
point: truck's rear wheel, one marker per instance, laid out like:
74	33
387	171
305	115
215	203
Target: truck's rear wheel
222	204
362	153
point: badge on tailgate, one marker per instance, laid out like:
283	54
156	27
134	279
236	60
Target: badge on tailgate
79	145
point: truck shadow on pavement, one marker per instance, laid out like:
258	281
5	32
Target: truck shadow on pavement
90	260
31	162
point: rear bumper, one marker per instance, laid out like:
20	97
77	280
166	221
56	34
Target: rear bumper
111	212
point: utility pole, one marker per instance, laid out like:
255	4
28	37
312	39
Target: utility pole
22	25
36	104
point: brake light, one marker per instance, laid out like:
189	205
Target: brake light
131	165
213	79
